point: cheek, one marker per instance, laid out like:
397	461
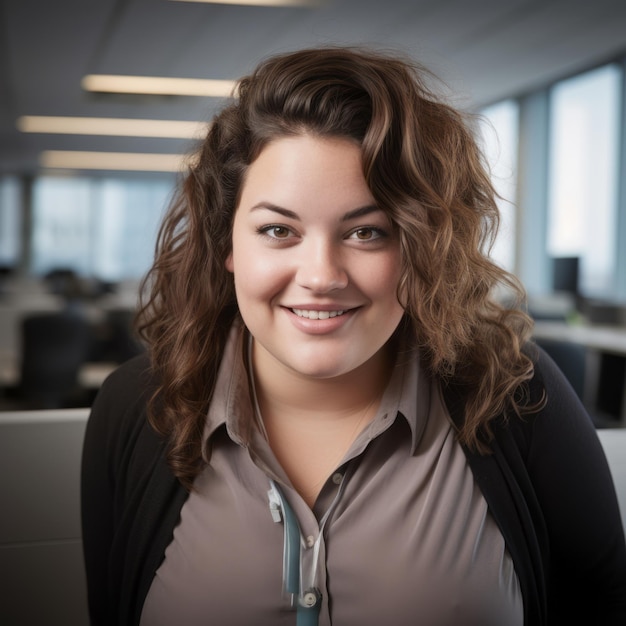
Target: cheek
383	277
257	278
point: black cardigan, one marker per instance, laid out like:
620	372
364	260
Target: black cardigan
546	482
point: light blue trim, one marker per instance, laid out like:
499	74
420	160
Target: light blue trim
309	601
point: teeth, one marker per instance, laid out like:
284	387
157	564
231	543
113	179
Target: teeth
317	315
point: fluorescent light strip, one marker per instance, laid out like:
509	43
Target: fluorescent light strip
117	161
262	3
120	127
158	85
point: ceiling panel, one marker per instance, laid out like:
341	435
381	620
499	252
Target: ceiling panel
484	49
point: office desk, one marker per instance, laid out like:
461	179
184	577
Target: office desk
606	354
607	339
90	375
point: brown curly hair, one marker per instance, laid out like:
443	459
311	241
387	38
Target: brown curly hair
423	167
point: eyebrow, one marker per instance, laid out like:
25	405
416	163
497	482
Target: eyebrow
350	215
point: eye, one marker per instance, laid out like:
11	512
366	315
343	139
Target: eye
275	231
367	233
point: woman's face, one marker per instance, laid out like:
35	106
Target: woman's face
316	263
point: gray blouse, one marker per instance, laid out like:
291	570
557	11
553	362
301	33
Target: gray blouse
400	534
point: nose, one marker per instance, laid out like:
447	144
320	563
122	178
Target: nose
321	268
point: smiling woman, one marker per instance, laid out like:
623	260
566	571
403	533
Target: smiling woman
335	422
317	284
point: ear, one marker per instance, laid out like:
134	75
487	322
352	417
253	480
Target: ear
228	263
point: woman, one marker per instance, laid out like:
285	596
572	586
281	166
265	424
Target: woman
336	424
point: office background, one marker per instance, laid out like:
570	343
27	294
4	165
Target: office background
548	75
90	152
87	168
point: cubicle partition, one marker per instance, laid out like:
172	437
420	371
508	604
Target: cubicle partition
42	580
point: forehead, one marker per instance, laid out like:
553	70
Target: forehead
307	169
307	148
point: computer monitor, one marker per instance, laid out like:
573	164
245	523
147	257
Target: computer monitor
565	274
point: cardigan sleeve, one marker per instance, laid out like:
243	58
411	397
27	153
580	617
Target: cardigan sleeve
549	488
574	488
114	415
131	501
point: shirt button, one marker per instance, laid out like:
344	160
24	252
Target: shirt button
310	541
337	478
311	598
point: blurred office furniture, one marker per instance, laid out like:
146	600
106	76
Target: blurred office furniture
30	294
23	297
6	271
115	339
72	287
124	342
604	348
564	299
108	309
553	307
610	385
42	580
565	275
63	282
614	443
603	312
54	345
586	337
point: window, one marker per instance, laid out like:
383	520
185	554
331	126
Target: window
104	228
499	131
582	175
128	216
10	222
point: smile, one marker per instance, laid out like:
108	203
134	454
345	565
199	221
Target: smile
317	315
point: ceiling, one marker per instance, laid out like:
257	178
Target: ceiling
485	50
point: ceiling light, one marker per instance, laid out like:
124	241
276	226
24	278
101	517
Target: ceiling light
262	3
120	127
158	85
117	161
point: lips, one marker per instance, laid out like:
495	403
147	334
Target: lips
314	314
320	319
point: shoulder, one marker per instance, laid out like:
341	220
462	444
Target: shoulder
131	383
561	406
550	409
129	378
553	411
548	380
118	413
556	443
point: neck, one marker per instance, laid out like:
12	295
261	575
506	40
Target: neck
281	391
310	422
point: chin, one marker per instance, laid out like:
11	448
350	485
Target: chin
320	373
322	370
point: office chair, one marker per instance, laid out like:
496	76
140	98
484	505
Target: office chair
54	345
123	343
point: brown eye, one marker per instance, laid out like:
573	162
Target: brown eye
364	233
280	232
275	231
367	234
